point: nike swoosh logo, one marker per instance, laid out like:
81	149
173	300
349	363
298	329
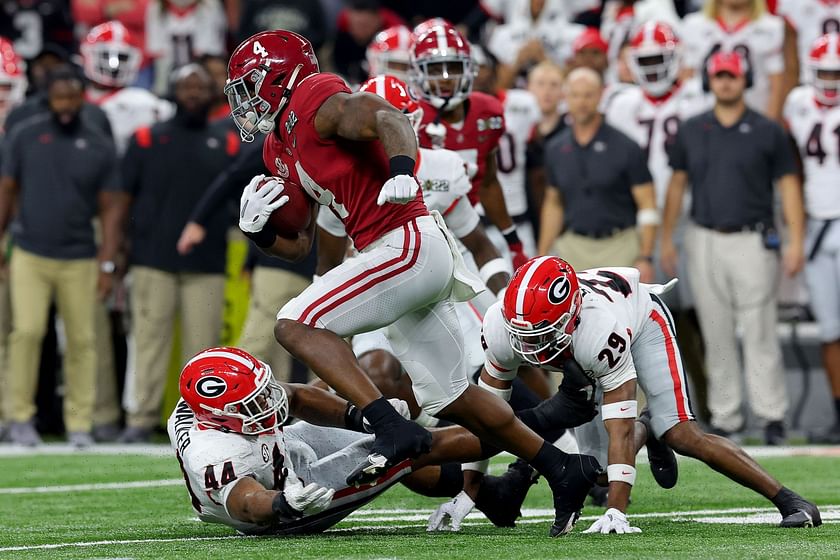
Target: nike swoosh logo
624	409
624	472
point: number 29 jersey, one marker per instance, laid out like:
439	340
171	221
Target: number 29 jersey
615	307
816	129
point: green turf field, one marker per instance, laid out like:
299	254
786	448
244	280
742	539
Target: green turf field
135	506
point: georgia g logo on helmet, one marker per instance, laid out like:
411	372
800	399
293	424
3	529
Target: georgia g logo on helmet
559	290
211	386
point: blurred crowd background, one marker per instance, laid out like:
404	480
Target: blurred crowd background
121	171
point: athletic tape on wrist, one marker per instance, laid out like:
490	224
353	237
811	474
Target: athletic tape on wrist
621	473
426	420
648	217
480	466
503	394
492	268
621	409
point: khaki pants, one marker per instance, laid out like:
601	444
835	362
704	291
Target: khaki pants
5	331
583	252
734	279
107	406
35	281
271	289
157	297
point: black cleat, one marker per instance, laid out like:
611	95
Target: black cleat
805	514
570	491
663	462
395	443
500	497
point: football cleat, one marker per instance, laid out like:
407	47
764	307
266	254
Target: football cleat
400	440
369	471
806	514
500	497
570	491
663	462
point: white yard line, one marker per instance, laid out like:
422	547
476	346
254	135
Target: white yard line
96	486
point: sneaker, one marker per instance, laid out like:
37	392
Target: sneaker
570	489
24	433
774	433
106	433
500	497
80	440
135	434
663	462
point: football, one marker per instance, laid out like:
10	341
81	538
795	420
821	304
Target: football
294	216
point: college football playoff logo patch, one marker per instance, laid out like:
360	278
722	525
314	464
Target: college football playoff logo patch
211	386
559	290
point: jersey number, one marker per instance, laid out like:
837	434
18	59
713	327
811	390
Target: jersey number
831	25
228	476
506	156
670	126
615	342
260	50
814	147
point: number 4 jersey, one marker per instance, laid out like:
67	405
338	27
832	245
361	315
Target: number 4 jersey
615	308
816	129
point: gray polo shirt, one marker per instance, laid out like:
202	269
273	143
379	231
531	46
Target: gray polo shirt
732	169
596	180
59	175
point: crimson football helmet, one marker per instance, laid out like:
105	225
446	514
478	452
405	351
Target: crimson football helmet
12	78
541	308
442	69
654	57
262	74
388	52
394	90
110	56
228	389
427	25
824	67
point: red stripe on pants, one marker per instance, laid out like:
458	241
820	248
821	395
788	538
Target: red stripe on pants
672	365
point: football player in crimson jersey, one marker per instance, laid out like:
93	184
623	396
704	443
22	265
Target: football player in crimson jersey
459	119
618	330
812	113
356	155
12	79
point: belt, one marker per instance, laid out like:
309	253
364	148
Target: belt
601	234
760	226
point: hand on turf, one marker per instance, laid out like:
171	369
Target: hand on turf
448	516
309	499
257	203
398	190
613	521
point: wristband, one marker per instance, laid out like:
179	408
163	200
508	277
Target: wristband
402	165
492	268
648	217
617	410
503	394
510	235
264	238
621	473
353	419
281	508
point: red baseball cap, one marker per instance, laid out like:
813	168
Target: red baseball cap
590	38
729	62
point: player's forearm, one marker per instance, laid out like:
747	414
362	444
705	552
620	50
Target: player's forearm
484	252
647	240
551	221
317	406
793	208
777	97
8	191
673	204
112	214
621	454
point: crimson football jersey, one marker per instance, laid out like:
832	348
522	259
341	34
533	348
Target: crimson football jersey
342	174
473	138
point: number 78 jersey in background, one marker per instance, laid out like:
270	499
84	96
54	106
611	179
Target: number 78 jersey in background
615	308
816	129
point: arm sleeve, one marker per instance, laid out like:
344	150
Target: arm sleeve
228	185
784	160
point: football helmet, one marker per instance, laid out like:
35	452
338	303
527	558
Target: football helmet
110	56
12	78
262	74
541	308
388	52
824	68
442	69
228	389
396	93
654	57
427	25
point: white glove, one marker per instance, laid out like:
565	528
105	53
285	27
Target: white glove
448	516
398	190
613	521
256	206
309	499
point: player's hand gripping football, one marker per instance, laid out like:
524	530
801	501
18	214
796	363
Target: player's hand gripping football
448	516
613	521
258	202
306	500
400	189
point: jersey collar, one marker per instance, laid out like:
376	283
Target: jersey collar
668	94
734	28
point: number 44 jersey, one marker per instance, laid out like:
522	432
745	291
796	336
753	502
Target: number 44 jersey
615	308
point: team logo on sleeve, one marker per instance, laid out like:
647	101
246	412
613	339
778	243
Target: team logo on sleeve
211	386
559	290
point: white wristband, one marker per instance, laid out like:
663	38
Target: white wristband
479	466
503	394
621	473
425	420
648	217
492	268
621	409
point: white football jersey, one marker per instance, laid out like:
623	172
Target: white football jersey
556	37
520	10
817	132
212	461
615	307
653	124
521	116
759	42
129	109
180	37
811	19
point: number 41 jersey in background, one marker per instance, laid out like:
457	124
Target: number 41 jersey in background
816	129
615	307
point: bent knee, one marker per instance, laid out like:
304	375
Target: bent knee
287	331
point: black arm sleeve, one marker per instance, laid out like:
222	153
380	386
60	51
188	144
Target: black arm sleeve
229	184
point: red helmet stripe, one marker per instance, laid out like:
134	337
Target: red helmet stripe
533	265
